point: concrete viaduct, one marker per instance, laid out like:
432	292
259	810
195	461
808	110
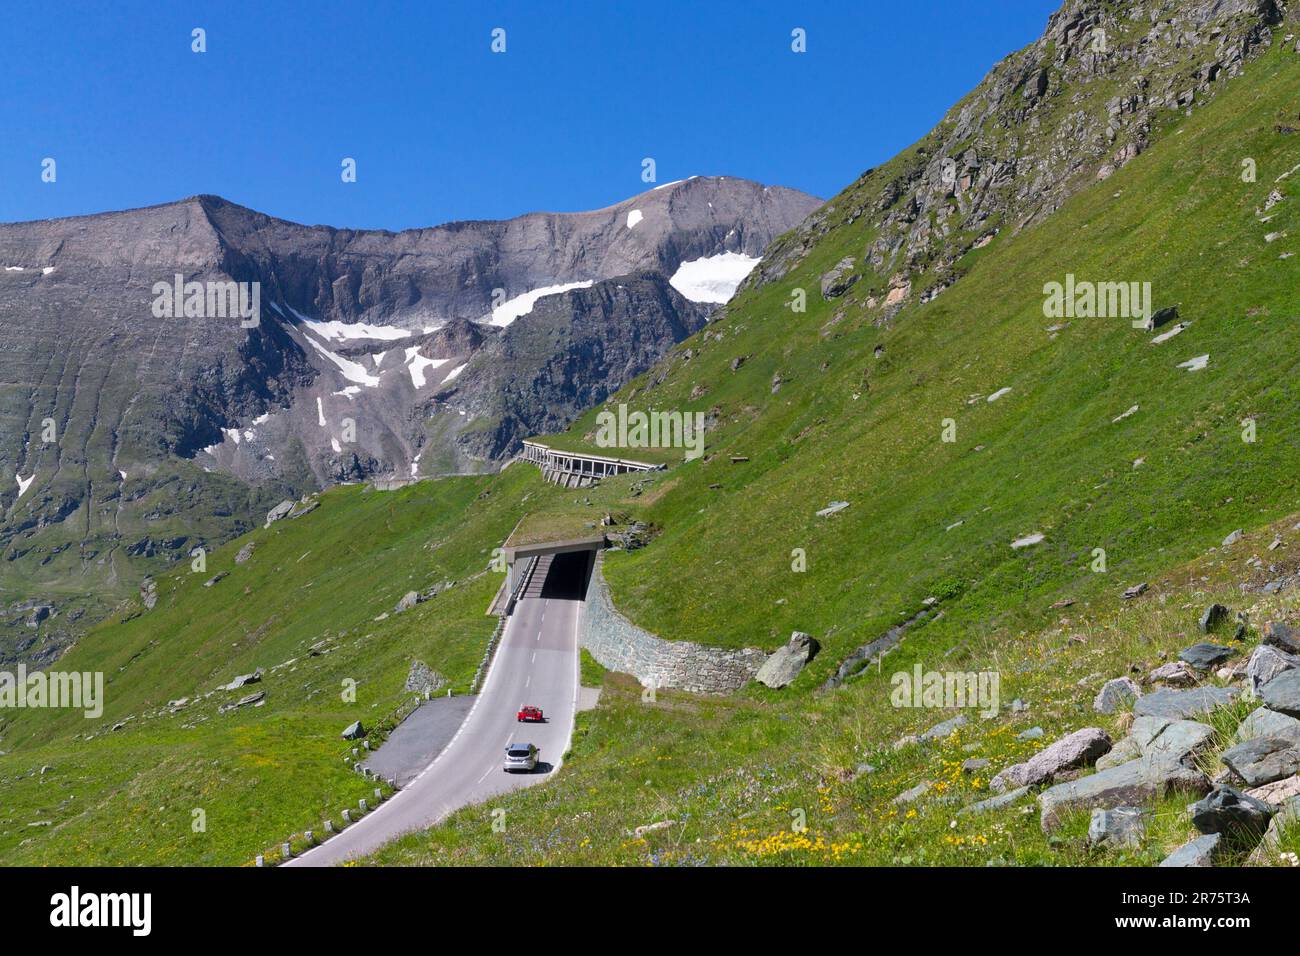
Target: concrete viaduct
578	469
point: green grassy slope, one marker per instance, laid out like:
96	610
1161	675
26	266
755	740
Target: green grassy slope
1047	457
260	774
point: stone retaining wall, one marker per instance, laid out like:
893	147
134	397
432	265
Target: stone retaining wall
619	645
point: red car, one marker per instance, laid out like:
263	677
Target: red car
531	715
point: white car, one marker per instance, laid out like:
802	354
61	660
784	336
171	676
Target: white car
521	757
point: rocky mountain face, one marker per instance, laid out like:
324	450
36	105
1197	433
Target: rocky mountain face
1047	121
167	374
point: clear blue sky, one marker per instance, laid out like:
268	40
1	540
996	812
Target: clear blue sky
442	128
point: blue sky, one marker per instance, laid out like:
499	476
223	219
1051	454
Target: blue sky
441	128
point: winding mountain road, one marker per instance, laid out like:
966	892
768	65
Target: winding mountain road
536	663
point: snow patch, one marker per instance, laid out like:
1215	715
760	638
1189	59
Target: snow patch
1121	417
712	278
232	434
1027	540
1166	336
634	217
998	394
320	411
334	443
521	305
417	364
348	392
352	371
13	268
454	372
1195	364
23	483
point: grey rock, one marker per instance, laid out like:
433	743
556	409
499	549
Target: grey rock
1130	784
1136	590
1175	674
1125	750
1121	827
941	730
1076	750
1032	733
1267	662
244	680
787	662
913	794
839	279
1231	813
1285	819
1232	538
1116	694
279	511
994	803
1282	636
1206	656
1203	851
1213	616
409	600
1262	760
245	553
1182	704
1169	743
974	764
1282	693
423	679
354	731
1263	722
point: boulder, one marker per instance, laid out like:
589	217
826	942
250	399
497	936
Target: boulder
1130	784
1206	656
914	794
1175	674
1032	733
1278	792
1282	636
1079	749
244	553
942	730
1282	693
1231	813
839	279
1127	749
1182	704
1170	743
1115	695
409	600
1287	817
279	511
785	663
1262	760
994	803
1136	590
1267	662
974	764
1214	615
1120	827
243	680
1263	722
1203	851
354	731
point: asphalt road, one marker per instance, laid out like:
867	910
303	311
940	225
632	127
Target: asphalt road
536	663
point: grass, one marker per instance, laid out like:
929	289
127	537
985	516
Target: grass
327	581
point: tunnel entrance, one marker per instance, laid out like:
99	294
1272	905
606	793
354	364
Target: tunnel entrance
563	577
